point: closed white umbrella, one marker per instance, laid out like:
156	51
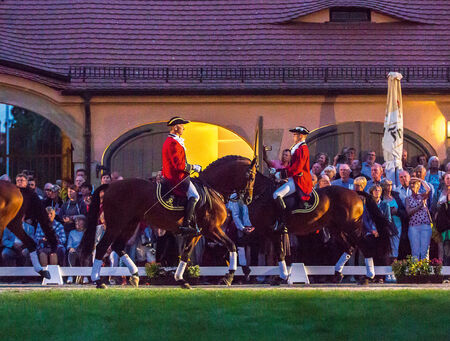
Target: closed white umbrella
393	128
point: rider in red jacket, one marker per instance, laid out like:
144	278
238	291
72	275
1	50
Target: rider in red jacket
298	174
176	170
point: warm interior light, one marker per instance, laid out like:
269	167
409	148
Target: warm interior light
448	129
438	128
207	142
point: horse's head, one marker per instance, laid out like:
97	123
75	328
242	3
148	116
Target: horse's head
250	177
230	174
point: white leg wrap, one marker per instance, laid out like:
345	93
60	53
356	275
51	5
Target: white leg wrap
370	268
341	262
180	270
35	261
283	269
129	263
233	260
114	258
242	258
96	266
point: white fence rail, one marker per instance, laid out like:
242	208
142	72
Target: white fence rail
298	271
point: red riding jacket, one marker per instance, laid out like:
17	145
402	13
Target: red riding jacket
299	169
174	165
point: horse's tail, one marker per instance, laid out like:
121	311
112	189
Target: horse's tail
88	241
384	228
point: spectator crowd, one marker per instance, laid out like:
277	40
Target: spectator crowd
416	203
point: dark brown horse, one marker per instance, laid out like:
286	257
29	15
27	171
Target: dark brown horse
15	203
339	209
127	202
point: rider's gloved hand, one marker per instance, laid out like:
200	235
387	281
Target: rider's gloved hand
197	168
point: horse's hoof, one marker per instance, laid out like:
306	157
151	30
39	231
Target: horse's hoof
100	285
364	281
184	285
227	280
45	274
246	270
278	281
134	281
338	276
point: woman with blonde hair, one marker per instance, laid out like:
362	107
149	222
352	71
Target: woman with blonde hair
359	183
329	171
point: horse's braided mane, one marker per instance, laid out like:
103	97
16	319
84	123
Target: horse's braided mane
222	160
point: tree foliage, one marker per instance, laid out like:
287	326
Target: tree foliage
32	134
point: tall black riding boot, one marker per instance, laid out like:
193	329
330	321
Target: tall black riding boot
281	214
186	227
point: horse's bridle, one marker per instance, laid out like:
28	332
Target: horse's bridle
250	176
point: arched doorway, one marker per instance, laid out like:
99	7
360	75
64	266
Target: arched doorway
48	103
33	143
363	136
137	153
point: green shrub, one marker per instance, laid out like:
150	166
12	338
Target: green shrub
193	271
411	266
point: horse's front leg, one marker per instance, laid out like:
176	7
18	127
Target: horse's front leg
219	236
277	240
348	248
16	227
231	247
188	246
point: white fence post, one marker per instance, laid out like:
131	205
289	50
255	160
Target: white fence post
298	274
55	273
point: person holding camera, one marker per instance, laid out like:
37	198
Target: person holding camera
419	231
276	165
345	157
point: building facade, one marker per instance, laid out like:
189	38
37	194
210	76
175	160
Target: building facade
109	75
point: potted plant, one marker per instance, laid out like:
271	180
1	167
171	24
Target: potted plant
158	275
193	274
411	270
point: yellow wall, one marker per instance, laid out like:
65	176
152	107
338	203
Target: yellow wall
206	143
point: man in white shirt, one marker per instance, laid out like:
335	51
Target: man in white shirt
367	165
403	189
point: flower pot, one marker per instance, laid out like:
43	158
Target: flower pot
436	279
403	279
420	279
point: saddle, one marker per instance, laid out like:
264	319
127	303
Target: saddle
173	202
295	205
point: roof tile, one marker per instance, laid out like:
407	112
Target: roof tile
54	35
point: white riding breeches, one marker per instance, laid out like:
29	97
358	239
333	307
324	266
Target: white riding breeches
287	189
192	192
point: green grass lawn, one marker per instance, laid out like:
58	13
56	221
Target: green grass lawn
171	314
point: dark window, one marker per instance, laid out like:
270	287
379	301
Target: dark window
349	14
